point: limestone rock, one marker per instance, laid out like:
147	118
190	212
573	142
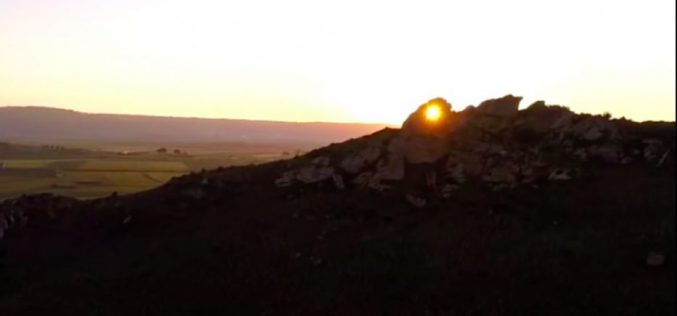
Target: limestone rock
415	201
504	173
285	180
447	189
307	175
391	167
537	122
193	193
369	180
418	124
321	161
312	174
354	163
593	129
655	259
504	107
663	158
608	153
338	181
559	175
652	149
455	170
419	149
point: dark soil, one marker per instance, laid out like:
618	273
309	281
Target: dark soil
248	248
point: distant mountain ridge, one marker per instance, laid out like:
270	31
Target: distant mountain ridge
37	123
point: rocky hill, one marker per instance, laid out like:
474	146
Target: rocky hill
486	211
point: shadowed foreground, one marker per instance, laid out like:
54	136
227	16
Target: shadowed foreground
230	241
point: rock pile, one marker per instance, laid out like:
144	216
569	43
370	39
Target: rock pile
15	214
493	144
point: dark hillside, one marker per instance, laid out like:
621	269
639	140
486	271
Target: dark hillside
483	212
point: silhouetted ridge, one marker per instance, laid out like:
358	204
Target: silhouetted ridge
487	211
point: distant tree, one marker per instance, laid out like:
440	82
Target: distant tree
177	151
162	150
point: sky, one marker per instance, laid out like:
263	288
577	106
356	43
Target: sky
341	61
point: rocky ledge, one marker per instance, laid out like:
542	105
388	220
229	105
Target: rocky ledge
494	145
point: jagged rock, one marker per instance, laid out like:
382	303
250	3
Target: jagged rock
369	180
663	158
418	149
418	124
415	201
307	175
338	181
488	149
286	179
363	179
504	107
455	170
194	193
608	153
593	129
473	164
127	220
503	173
655	259
652	148
447	189
581	154
431	179
312	174
494	143
539	122
322	161
626	160
559	175
353	164
391	167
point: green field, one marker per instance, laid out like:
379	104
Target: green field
89	173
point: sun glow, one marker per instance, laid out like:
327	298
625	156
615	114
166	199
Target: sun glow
231	59
433	113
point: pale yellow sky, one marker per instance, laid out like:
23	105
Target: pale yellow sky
349	60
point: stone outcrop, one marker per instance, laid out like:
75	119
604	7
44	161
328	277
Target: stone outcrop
418	124
356	162
15	214
505	107
494	144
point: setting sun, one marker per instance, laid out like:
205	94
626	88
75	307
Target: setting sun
260	60
433	113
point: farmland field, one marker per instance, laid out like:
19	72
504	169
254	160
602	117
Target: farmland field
94	172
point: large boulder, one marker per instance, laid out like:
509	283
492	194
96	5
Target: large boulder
307	175
593	129
539	120
391	167
354	163
419	149
418	123
504	107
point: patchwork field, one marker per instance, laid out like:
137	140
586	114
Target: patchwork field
91	173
